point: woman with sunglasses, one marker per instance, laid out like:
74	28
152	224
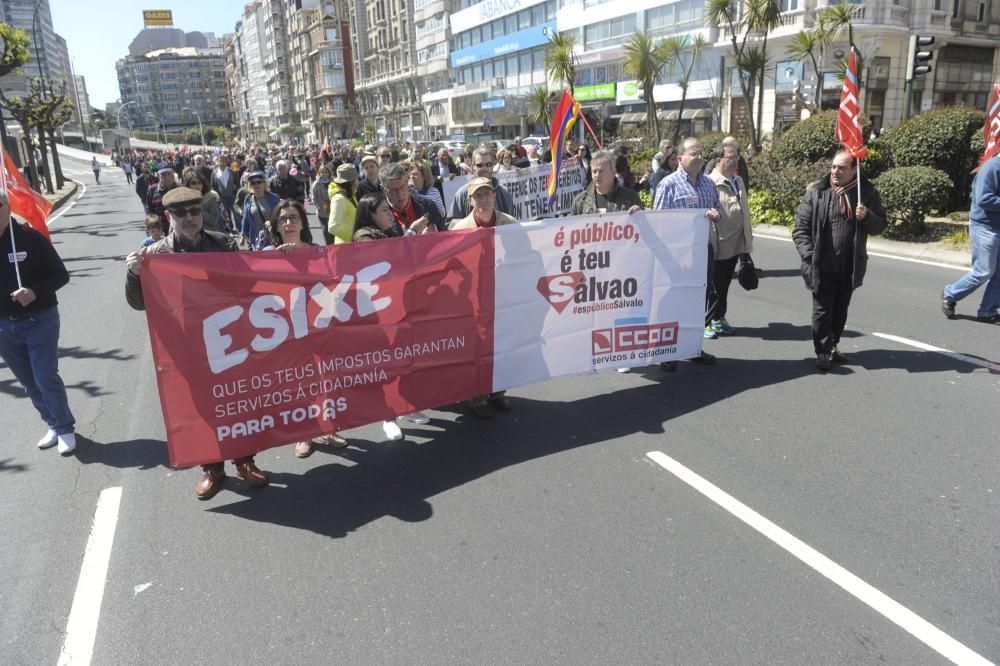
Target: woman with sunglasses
257	210
290	233
375	221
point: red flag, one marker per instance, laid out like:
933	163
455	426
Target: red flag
849	116
24	201
991	130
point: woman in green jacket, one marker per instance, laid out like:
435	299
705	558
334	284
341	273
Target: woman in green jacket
343	205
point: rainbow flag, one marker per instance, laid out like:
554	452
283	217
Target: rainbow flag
567	111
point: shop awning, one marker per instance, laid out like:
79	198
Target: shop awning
633	118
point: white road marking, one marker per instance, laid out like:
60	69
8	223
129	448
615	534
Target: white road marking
909	621
958	356
81	628
912	260
62	211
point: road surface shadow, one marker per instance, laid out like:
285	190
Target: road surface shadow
780	330
140	454
397	479
6	465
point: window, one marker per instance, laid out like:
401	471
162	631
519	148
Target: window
789	5
609	33
981	14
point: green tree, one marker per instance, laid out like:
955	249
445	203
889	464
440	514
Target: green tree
537	102
15	48
748	25
686	52
54	108
560	60
645	61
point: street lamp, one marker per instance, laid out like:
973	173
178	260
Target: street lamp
201	128
36	35
120	115
162	126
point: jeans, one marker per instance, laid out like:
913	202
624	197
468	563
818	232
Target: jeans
30	348
830	303
985	268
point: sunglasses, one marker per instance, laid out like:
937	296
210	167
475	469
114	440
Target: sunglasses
193	211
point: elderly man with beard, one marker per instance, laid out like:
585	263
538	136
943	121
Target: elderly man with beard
831	235
183	207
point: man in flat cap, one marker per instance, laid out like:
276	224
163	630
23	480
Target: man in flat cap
154	200
183	210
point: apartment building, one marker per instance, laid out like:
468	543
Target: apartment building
261	67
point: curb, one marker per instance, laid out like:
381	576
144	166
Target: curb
925	252
65	197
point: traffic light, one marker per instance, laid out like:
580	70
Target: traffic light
922	54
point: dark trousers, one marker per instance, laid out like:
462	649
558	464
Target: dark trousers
830	302
709	285
128	177
718	302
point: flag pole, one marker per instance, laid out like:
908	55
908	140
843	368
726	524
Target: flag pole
858	177
10	223
591	130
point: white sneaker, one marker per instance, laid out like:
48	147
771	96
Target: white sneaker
67	443
623	370
417	417
49	440
392	431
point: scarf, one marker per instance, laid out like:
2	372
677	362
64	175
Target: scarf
844	199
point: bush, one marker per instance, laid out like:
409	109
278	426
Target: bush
909	193
639	161
710	141
940	138
765	208
811	140
784	185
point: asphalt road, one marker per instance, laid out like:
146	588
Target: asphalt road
546	535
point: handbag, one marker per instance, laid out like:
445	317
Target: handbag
747	273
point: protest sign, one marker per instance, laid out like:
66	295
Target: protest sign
255	350
450	186
531	199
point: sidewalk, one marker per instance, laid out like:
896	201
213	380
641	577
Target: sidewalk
61	196
936	252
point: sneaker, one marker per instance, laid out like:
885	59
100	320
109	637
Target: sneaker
416	417
837	357
947	306
710	333
303	449
334	440
392	431
49	440
722	326
67	443
623	370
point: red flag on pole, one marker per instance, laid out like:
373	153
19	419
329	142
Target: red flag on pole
24	201
991	130
849	116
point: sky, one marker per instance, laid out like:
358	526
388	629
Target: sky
98	32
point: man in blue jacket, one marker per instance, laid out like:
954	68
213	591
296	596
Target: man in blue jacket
984	232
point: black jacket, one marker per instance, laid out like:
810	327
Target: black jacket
42	270
288	187
210	241
811	216
424	206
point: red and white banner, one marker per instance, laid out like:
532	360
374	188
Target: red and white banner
256	350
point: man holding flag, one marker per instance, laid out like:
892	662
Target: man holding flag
984	227
29	317
832	225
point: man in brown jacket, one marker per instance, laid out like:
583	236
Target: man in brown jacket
183	209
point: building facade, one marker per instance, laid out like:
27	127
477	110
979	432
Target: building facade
47	57
172	89
322	76
387	85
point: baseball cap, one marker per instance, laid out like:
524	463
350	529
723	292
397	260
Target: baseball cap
477	184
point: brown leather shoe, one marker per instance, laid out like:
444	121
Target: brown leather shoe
334	440
482	410
502	403
303	449
210	482
250	473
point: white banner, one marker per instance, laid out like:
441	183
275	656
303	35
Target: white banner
598	291
531	199
450	186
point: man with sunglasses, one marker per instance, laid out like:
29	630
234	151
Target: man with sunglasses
483	160
183	206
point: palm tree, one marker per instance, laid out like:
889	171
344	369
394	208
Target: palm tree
828	25
560	60
747	24
537	102
685	52
644	61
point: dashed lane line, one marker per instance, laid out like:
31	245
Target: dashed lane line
906	619
958	356
85	613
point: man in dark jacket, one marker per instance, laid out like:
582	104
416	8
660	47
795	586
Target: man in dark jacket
483	161
831	234
143	183
285	185
604	195
183	206
407	206
154	200
29	324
